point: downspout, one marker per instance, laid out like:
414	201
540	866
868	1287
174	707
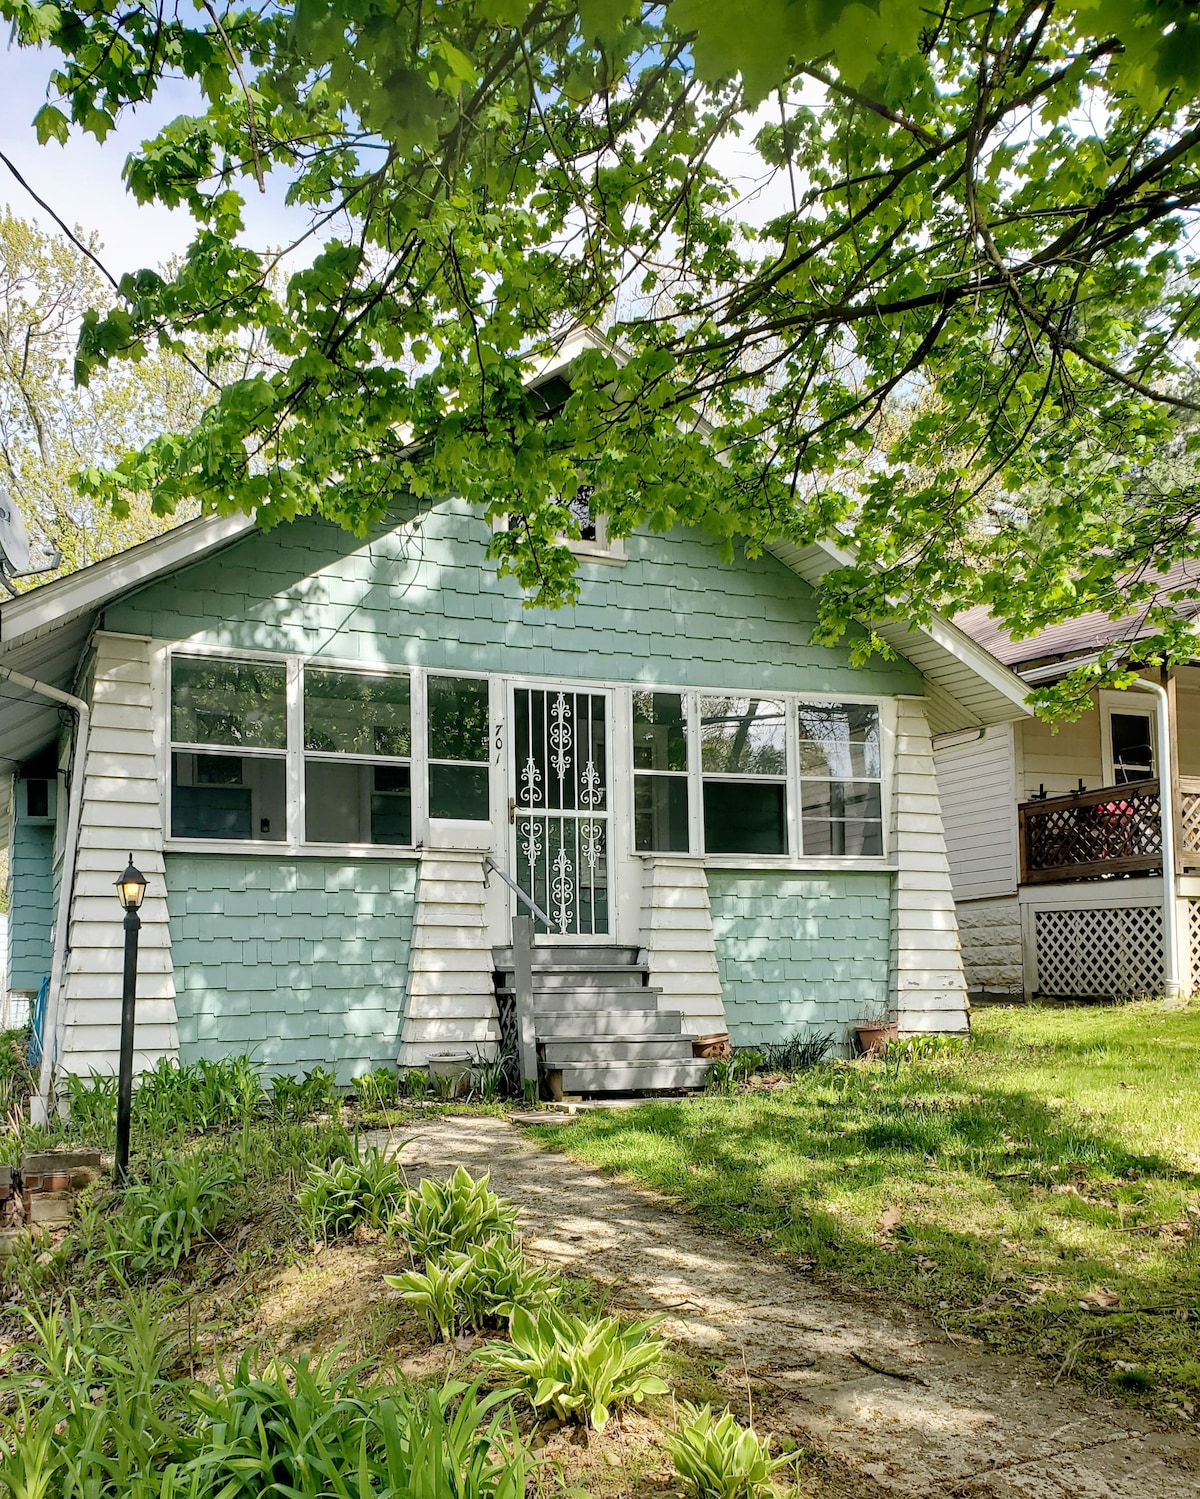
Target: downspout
39	1104
1172	982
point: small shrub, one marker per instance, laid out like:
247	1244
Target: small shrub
456	1214
582	1368
165	1215
474	1288
797	1052
717	1458
92	1105
336	1198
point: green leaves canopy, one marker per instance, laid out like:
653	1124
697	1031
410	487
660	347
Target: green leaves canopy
961	339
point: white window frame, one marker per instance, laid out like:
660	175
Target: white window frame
1132	707
879	780
500	684
296	741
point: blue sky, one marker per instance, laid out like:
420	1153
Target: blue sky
82	180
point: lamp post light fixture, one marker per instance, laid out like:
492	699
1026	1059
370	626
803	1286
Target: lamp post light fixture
131	890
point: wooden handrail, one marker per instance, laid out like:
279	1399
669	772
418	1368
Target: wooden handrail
1101	794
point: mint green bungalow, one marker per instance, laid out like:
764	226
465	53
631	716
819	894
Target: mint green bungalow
337	761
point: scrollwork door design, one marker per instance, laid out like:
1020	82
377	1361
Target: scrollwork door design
560	755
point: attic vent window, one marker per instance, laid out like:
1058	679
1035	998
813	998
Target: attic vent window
581	508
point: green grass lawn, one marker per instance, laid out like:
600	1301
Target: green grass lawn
1038	1190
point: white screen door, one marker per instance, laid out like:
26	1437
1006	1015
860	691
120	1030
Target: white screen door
561	806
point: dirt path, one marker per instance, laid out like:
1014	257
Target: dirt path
942	1420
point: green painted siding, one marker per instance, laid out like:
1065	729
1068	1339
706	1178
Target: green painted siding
424	593
31	910
799	950
298	962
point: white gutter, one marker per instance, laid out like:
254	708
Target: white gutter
39	1104
1172	984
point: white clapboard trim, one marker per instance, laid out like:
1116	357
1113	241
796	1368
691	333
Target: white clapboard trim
676	931
978	786
121	815
928	990
451	997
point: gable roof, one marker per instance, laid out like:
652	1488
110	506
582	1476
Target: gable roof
44	633
1083	635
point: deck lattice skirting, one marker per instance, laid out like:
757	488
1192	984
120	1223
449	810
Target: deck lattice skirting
928	990
121	814
677	932
451	997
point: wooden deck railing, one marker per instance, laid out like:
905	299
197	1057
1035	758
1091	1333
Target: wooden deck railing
1112	830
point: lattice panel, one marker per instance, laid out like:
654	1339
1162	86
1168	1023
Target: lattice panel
1112	953
1193	908
1189	819
1093	832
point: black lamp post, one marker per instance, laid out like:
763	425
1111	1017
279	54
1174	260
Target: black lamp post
131	889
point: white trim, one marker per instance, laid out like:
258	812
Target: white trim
100	583
1120	702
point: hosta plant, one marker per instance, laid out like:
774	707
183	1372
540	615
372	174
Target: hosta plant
337	1198
580	1368
718	1458
474	1287
458	1213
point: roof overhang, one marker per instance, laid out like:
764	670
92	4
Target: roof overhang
44	633
966	686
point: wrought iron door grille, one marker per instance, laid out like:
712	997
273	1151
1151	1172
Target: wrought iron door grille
562	806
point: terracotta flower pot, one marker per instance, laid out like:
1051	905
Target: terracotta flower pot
714	1048
873	1038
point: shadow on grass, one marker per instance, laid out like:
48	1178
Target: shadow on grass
986	1205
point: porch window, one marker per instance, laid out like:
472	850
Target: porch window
743	754
458	727
228	749
841	805
660	780
357	758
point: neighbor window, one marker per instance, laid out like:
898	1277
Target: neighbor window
840	771
457	715
357	757
744	759
1132	747
228	749
660	781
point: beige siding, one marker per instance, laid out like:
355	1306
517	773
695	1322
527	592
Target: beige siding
1058	760
121	816
1188	711
977	784
928	990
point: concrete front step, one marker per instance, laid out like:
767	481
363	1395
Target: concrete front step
632	1025
576	976
581	954
634	1077
614	1051
589	1000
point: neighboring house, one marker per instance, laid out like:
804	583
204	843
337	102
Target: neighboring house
1055	836
314	746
